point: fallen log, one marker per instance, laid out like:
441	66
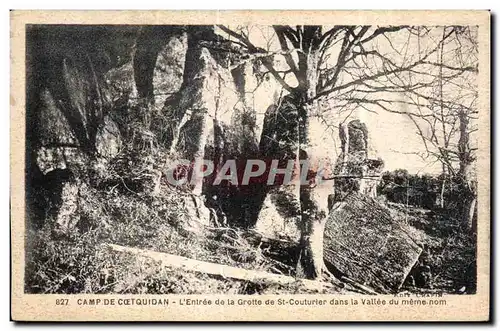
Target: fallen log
364	289
176	261
367	245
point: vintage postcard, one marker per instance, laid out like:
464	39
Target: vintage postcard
250	165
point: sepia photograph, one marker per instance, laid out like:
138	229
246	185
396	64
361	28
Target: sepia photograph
253	159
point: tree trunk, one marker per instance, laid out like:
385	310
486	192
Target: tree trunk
469	212
465	171
311	264
225	271
313	195
441	194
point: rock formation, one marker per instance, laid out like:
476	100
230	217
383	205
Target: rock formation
279	215
354	170
146	89
210	120
180	91
82	87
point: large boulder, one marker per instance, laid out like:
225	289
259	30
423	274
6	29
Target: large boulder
366	243
108	142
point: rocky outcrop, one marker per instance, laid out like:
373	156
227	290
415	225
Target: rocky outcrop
59	148
153	71
209	120
156	69
169	68
97	91
82	85
69	97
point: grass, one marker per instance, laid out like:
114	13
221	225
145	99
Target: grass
449	249
110	212
117	204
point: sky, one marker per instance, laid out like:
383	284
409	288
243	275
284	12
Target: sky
393	136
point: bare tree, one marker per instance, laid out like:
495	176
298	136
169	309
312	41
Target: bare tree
331	65
454	104
441	100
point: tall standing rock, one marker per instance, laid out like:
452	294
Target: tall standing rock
362	240
280	211
354	170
